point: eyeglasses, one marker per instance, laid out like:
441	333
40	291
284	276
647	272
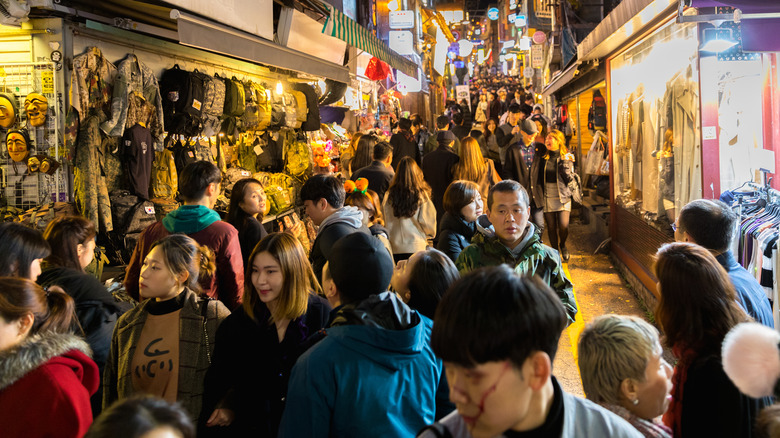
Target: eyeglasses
674	227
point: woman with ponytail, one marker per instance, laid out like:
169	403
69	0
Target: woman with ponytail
163	346
46	374
259	343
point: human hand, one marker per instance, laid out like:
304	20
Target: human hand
221	417
515	130
569	157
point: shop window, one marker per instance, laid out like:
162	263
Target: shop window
655	125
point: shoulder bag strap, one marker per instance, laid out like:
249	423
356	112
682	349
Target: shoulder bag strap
204	310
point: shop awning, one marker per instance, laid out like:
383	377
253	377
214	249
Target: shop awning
346	29
204	34
626	21
560	80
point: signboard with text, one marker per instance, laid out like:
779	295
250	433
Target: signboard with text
402	41
401	19
537	56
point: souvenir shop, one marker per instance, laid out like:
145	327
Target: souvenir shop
686	121
105	124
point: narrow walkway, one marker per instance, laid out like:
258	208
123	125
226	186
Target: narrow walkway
599	290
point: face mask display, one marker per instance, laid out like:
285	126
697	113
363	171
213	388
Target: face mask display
42	163
36	106
7	110
17	141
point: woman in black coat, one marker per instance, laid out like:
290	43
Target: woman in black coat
245	212
258	344
462	206
72	242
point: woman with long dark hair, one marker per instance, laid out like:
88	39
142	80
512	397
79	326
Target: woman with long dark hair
364	154
22	249
550	176
72	241
494	153
410	216
46	374
696	309
245	212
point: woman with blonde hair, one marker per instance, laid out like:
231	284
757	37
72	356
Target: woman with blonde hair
550	178
163	346
259	343
474	167
696	309
410	216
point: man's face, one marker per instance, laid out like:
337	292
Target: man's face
514	118
491	398
314	211
7	113
528	139
509	215
36	106
17	147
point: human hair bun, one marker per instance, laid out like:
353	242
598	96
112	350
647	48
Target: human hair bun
207	266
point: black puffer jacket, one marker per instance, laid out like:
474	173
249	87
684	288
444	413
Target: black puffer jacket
454	235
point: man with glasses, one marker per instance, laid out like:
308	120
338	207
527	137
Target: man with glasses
517	243
712	224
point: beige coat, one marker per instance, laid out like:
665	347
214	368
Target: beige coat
410	234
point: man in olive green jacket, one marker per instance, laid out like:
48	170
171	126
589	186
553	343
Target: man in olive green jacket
517	243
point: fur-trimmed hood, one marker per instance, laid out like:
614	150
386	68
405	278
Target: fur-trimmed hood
33	352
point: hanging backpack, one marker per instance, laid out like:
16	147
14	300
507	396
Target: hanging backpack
597	115
213	103
290	111
312	122
165	181
183	154
130	213
301	106
231	177
235	98
247	157
297	157
182	101
250	120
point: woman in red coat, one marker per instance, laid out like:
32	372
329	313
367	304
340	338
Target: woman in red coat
46	374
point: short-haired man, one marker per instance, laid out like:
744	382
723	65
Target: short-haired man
711	223
380	171
519	151
404	143
437	169
420	132
374	372
460	130
199	187
498	334
442	124
323	198
516	242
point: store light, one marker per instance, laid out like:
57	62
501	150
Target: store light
279	88
717	40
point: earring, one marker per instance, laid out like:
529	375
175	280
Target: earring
635	401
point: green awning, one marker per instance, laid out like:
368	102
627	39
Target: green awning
346	29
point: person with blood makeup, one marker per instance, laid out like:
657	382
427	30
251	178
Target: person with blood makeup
497	334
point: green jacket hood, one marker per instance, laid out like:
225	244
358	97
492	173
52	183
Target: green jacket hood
189	219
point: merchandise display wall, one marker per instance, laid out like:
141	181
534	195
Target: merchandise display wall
656	139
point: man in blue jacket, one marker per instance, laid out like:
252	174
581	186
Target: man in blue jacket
374	372
712	224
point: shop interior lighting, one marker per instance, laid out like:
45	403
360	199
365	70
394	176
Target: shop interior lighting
279	88
717	40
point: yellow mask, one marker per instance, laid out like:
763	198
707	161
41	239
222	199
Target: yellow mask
17	146
7	111
36	106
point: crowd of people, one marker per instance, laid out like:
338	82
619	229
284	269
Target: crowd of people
428	305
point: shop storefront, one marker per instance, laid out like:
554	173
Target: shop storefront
684	122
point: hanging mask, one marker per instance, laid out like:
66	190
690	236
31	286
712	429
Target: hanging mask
42	163
18	142
8	105
36	106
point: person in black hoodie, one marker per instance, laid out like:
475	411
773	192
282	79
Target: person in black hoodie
72	242
462	206
245	212
404	143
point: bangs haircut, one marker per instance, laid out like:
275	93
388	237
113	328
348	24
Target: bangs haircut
297	275
611	349
368	201
492	314
458	195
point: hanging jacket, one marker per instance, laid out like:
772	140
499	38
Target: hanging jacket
373	371
535	258
45	385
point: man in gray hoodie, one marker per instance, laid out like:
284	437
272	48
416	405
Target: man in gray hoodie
323	198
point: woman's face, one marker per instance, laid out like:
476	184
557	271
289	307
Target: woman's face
156	280
491	125
654	393
254	199
366	217
403	274
35	269
267	277
552	143
473	209
86	252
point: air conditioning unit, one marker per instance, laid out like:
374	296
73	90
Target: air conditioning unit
14	12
